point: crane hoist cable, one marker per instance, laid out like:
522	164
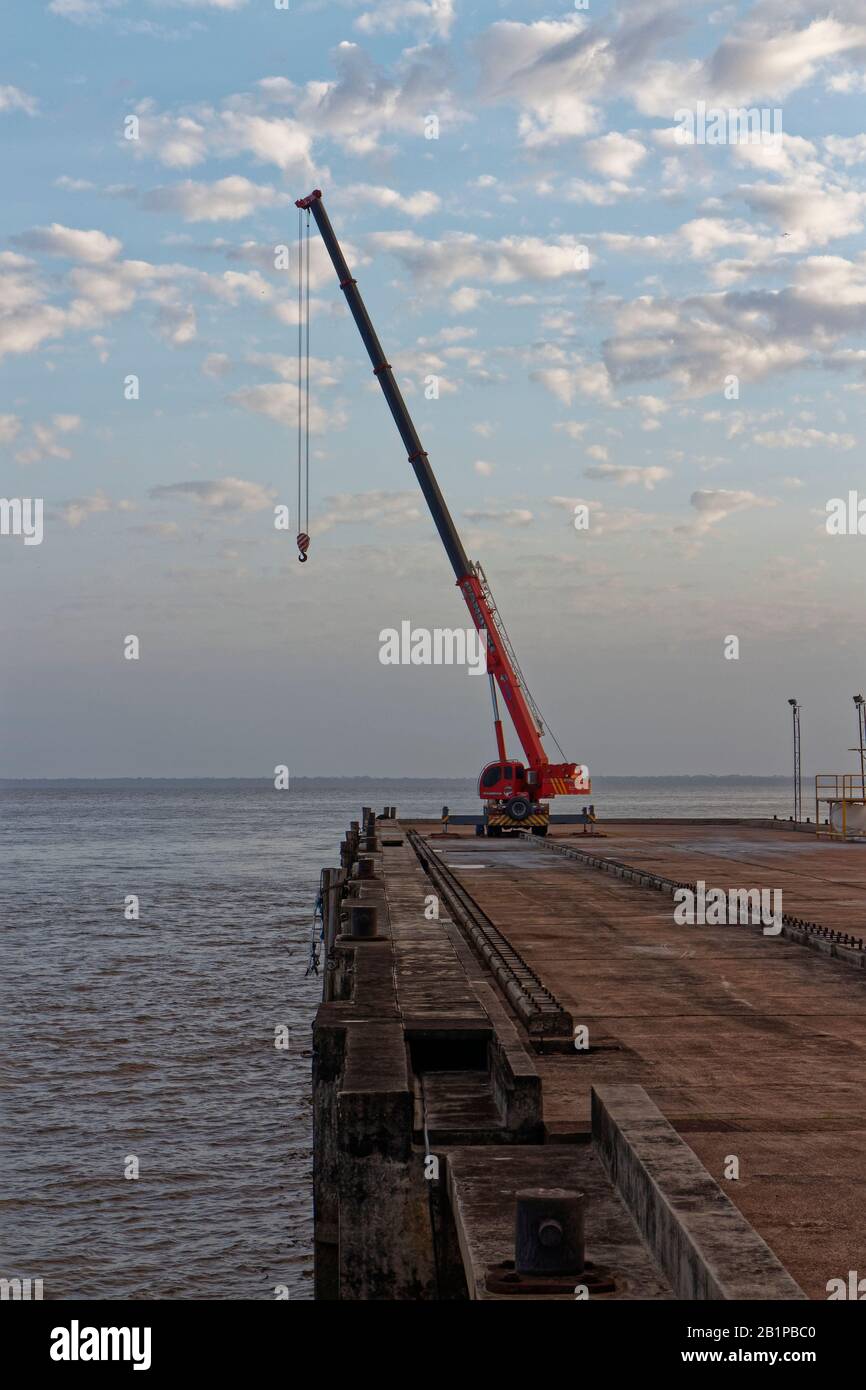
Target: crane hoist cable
303	538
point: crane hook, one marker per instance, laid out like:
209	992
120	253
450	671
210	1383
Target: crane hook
303	547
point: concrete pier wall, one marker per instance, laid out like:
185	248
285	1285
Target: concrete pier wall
445	1082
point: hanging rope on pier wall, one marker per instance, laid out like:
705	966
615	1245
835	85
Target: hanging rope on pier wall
303	538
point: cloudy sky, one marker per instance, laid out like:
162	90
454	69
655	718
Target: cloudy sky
584	286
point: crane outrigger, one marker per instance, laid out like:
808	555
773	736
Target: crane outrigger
514	793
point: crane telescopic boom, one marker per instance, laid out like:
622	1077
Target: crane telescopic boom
543	778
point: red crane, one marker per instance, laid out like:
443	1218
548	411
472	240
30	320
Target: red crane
513	792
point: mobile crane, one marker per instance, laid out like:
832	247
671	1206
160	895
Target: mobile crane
513	792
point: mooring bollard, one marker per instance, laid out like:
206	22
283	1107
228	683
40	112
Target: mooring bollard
366	867
549	1231
346	855
363	920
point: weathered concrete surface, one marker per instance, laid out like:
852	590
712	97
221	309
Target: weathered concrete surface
482	1183
700	1239
366	1186
405	1054
751	1046
821	880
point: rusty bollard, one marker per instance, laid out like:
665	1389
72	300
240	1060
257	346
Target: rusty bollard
366	867
549	1231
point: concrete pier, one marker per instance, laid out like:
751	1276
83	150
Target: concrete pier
526	1016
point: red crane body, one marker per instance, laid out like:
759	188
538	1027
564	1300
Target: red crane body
509	787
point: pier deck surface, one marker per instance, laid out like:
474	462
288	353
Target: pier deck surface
751	1046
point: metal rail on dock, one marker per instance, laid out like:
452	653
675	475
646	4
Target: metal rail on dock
539	1011
796	928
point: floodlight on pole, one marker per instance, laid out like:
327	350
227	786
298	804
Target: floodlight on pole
860	705
798	777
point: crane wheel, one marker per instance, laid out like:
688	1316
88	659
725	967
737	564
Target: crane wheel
518	807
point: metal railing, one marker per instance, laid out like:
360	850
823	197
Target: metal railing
842	789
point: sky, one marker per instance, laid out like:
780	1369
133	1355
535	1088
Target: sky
586	304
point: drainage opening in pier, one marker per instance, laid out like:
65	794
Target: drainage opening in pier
503	1278
452	1052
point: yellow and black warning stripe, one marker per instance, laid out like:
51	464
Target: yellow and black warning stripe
499	818
559	786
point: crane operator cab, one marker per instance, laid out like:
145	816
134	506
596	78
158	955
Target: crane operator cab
510	799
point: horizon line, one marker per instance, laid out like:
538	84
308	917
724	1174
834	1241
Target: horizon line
361	777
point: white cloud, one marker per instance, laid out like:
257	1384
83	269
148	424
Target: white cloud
98	287
850	149
420	204
279	400
652	405
225	495
614	155
90	247
797	438
176	324
13	99
697	343
597	194
577	378
216	364
573	428
94	11
507	516
83	11
810	213
242	126
80	508
463	255
467	299
45	440
364	105
714	506
430	16
26	320
626	476
550	70
10	426
74	185
378	508
617	521
225	200
764	58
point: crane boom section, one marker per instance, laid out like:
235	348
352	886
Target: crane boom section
498	663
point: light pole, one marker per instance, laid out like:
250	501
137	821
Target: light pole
860	704
798	781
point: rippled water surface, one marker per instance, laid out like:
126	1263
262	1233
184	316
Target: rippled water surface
153	1039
